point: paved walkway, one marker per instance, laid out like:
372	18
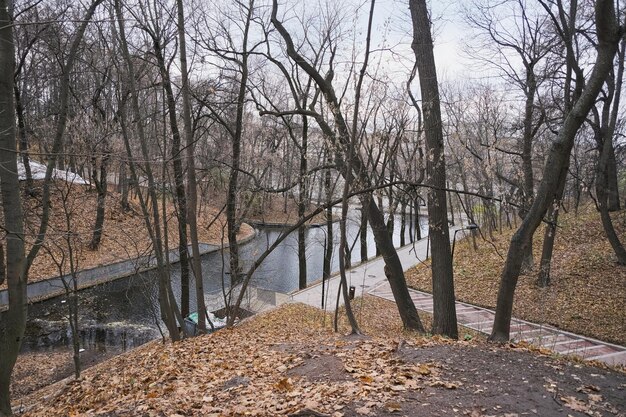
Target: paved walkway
363	277
370	278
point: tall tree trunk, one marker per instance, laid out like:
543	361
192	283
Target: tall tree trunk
12	324
124	187
17	266
167	303
101	188
605	131
363	234
179	179
302	204
418	227
444	320
528	261
341	136
612	189
550	233
328	249
608	38
21	125
602	181
345	254
231	204
192	191
402	222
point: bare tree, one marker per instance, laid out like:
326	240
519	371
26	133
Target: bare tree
444	311
167	302
528	40
13	324
341	139
12	329
192	192
608	34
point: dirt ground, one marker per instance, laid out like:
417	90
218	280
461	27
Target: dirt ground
289	362
487	382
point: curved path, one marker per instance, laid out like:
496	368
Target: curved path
370	278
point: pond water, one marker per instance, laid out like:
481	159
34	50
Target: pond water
122	314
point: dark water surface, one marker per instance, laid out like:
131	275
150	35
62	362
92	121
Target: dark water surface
122	314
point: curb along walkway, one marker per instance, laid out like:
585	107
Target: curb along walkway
52	287
481	320
369	278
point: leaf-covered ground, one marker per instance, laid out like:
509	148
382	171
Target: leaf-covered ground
124	236
289	362
588	288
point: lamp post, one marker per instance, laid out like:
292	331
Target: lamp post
471	226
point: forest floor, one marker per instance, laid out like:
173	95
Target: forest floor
289	362
271	209
588	287
124	237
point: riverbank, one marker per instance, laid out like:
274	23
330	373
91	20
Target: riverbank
124	235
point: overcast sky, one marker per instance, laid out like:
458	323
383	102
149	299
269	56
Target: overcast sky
392	21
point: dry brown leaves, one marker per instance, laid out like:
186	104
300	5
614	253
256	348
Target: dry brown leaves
124	237
249	370
588	287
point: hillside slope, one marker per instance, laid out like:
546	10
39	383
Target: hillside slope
588	287
288	362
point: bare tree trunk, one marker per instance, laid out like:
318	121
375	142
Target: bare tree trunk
302	204
179	180
444	320
167	303
192	194
12	329
124	187
101	188
402	222
612	183
601	193
550	233
341	136
608	38
343	253
328	249
13	323
527	166
363	234
605	131
21	124
418	227
59	133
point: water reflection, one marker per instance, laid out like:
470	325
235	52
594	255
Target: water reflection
124	313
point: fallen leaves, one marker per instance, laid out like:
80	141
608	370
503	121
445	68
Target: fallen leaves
251	370
587	291
124	234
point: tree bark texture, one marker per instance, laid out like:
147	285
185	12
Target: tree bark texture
444	310
167	302
179	180
13	323
192	195
549	236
